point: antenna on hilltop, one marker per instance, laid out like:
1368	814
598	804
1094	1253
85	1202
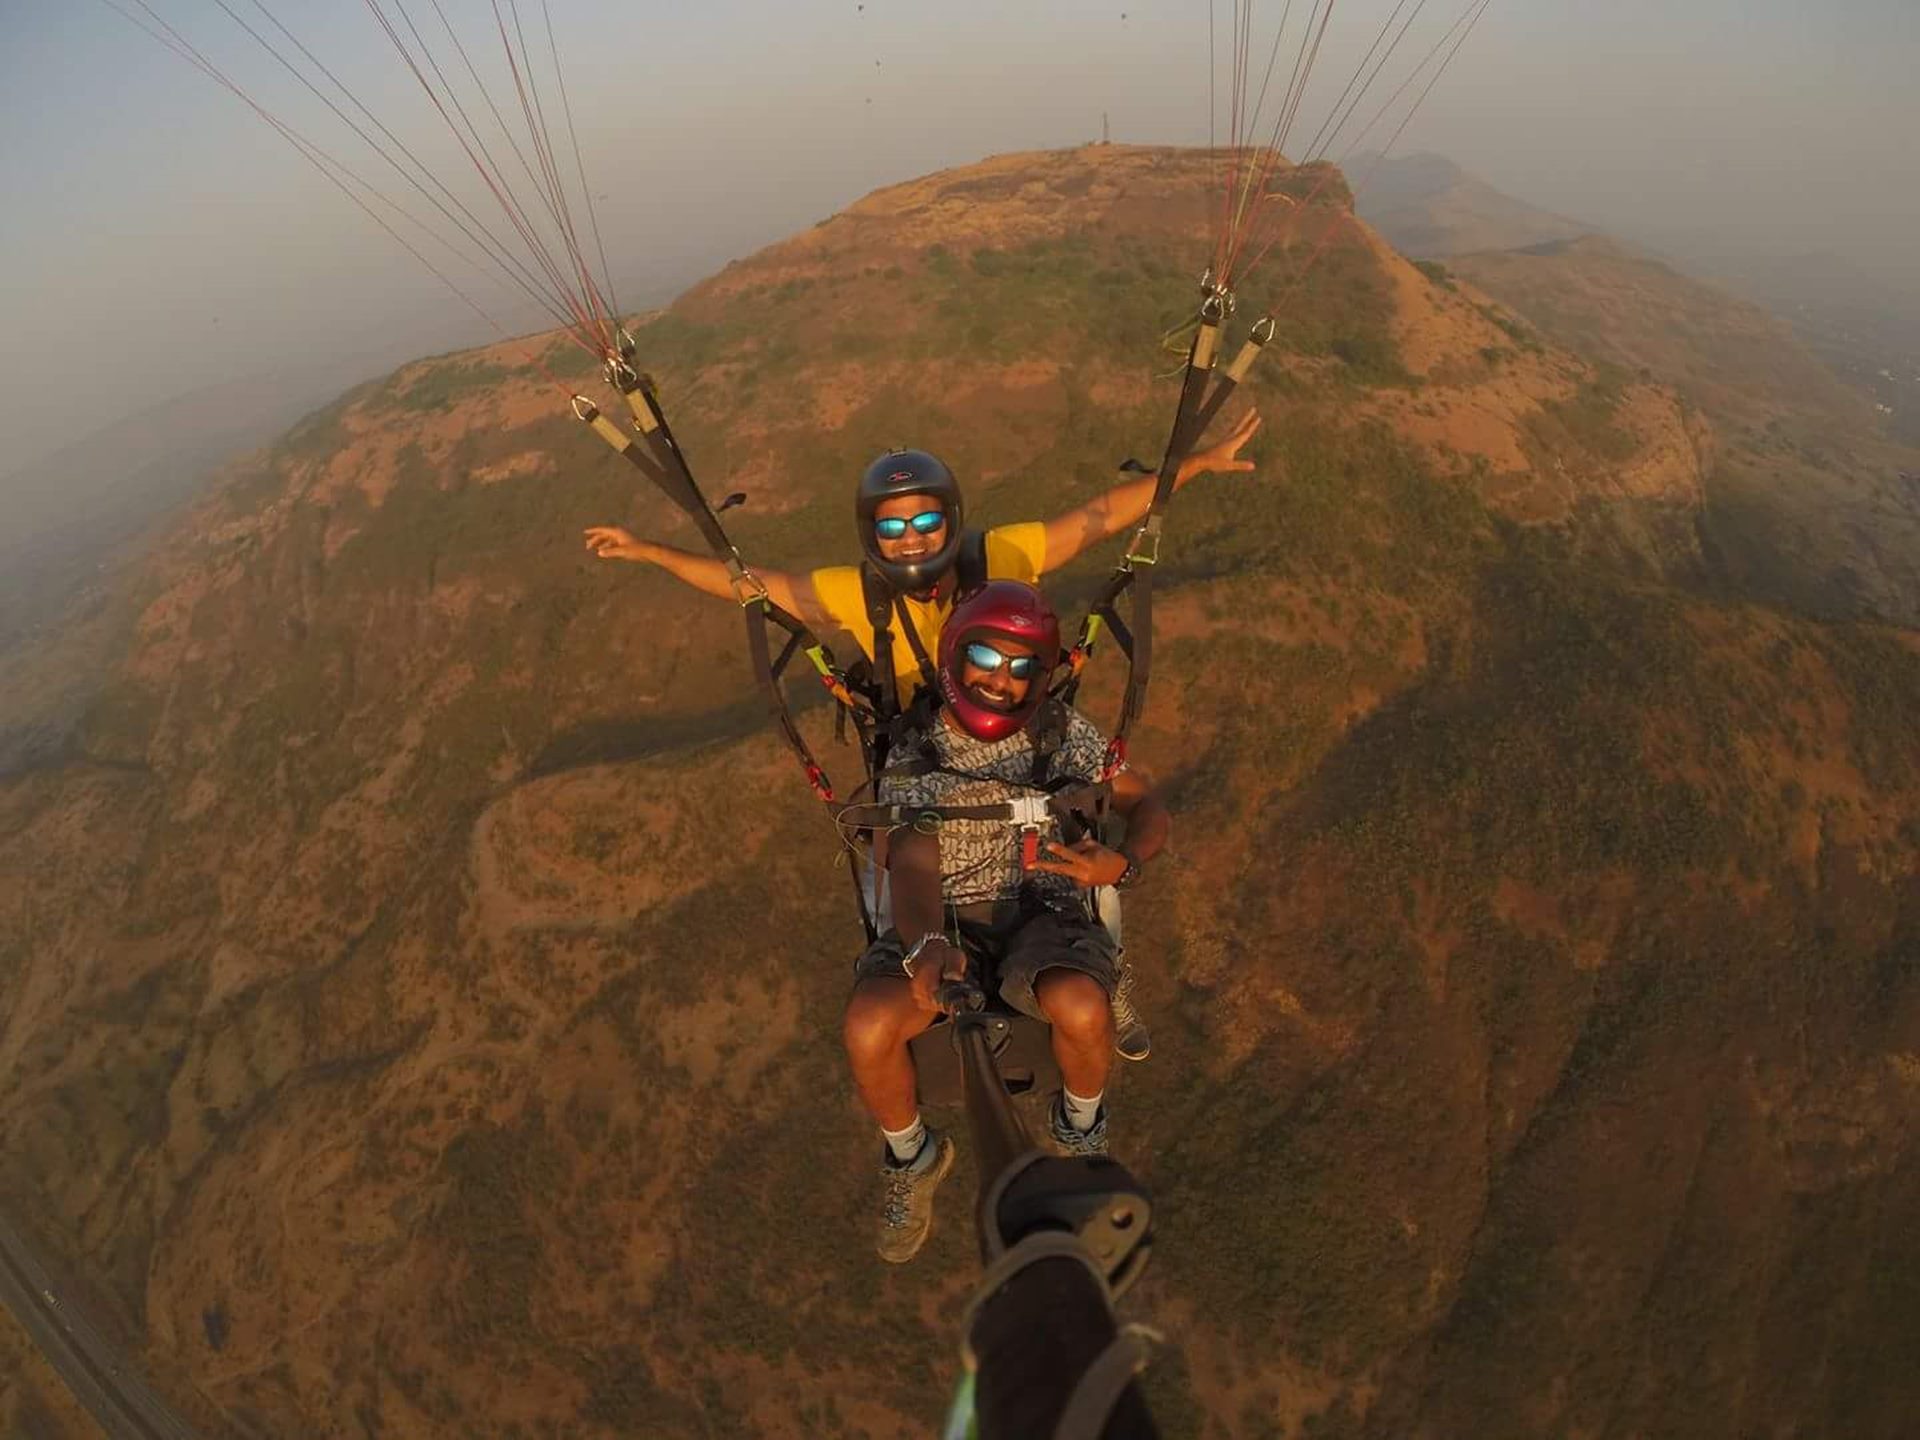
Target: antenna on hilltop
1105	138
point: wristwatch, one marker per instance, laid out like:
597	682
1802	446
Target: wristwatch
912	957
1129	876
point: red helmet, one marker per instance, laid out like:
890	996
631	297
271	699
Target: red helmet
998	610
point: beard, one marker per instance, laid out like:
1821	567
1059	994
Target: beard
1002	704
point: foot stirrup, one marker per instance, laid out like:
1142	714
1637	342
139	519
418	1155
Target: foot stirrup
1106	1379
1100	1388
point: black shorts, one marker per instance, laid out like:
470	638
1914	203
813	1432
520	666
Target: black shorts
1009	945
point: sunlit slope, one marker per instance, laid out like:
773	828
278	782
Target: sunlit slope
421	985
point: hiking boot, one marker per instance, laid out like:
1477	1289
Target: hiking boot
906	1210
1071	1142
1130	1038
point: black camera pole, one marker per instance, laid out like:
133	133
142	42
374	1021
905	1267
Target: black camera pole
1060	1239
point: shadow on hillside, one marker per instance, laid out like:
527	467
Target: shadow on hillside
618	740
1360	775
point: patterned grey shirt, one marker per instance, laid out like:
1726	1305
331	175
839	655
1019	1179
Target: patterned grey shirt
980	859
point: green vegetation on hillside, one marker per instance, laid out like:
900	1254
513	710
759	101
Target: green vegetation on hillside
437	970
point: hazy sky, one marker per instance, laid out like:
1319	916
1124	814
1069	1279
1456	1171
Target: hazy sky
155	237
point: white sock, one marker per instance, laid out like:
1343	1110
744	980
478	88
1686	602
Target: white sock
1081	1113
905	1144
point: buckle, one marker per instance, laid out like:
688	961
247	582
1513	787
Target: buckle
1031	812
1145	546
747	588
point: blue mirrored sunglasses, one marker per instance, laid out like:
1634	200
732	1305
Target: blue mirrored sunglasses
985	657
925	523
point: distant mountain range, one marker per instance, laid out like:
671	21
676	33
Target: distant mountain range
1428	208
1862	327
69	512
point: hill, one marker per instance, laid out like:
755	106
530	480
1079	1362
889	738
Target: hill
392	1026
74	513
1428	207
1865	329
1806	504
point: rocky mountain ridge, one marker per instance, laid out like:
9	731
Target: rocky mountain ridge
391	1020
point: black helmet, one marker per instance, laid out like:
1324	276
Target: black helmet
910	472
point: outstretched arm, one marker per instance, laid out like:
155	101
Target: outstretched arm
793	593
1126	504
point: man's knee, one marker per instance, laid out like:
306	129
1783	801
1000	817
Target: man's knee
1074	1003
875	1024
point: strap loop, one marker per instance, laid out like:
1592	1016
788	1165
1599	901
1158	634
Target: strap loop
1104	1382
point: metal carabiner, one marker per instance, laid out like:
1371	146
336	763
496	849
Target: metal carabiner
620	373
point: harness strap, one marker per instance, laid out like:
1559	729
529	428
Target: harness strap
970	567
929	676
1080	800
1202	395
1049	738
885	606
1104	1382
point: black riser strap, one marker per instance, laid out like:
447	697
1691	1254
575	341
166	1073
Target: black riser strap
681	489
787	652
1223	388
1193	386
777	704
1141	653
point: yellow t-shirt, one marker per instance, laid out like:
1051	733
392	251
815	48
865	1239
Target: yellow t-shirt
1014	552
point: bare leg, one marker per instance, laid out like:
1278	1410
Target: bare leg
881	1018
1082	1020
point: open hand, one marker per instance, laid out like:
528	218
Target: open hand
610	542
1086	862
1224	458
613	544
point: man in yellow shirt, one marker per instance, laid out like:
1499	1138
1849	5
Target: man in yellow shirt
917	555
911	520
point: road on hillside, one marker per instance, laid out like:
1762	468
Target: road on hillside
96	1373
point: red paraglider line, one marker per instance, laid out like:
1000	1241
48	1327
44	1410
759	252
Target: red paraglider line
536	119
1470	17
490	171
1304	71
320	160
553	270
490	246
502	192
580	166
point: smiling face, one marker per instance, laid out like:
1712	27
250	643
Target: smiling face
995	685
914	545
